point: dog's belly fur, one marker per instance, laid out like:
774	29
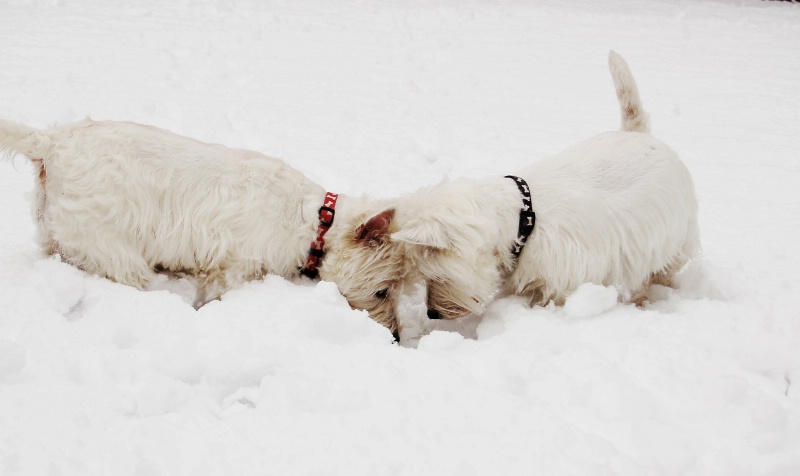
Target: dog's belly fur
618	209
121	199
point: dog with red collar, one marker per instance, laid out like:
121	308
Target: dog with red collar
127	201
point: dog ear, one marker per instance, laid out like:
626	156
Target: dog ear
374	229
430	233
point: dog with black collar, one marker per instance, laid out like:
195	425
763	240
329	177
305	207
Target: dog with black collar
618	209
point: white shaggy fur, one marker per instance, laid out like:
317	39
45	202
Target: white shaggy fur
618	209
125	200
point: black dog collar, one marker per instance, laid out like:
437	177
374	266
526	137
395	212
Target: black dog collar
527	218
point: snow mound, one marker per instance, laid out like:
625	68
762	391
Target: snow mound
440	340
590	300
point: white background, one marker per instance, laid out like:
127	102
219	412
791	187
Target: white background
381	98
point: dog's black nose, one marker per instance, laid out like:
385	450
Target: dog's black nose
433	314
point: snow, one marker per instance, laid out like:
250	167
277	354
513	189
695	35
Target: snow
381	98
591	300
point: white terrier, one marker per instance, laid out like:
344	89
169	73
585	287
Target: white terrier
125	200
618	209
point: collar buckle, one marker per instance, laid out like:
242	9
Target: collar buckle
330	211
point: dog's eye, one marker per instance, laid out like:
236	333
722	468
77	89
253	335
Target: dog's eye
382	293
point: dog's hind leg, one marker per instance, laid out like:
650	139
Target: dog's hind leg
662	277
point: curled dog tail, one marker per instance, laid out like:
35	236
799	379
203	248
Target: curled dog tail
21	139
634	119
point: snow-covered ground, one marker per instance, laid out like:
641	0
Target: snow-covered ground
380	98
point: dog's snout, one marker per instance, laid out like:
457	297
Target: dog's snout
434	314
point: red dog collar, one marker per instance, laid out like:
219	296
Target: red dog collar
317	250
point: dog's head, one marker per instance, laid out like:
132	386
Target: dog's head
366	265
461	270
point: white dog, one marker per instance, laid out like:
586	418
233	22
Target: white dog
618	209
125	200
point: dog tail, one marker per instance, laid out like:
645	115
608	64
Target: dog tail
20	139
634	119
